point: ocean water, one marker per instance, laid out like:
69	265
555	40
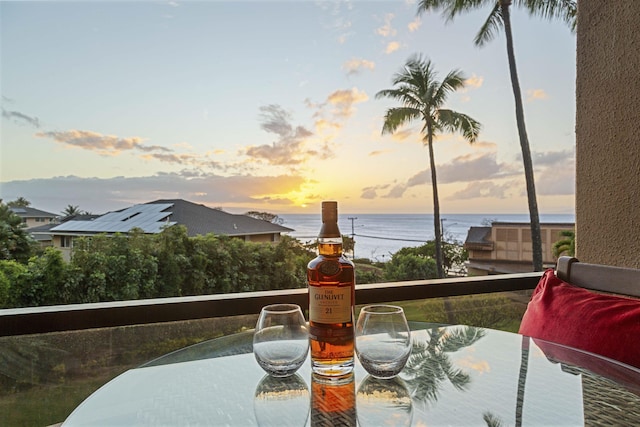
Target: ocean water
378	236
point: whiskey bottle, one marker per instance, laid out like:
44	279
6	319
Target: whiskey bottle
331	281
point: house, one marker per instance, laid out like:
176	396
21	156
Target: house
154	216
42	234
505	247
32	217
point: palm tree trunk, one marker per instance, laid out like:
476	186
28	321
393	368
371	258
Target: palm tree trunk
536	238
436	207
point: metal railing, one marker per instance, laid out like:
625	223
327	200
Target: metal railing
33	320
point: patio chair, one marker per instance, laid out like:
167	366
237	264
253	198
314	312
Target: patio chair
591	307
603	278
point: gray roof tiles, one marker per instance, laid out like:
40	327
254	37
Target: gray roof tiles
153	216
27	212
478	235
200	219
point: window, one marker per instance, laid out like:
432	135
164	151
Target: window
65	241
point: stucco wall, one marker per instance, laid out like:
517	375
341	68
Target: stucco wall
608	132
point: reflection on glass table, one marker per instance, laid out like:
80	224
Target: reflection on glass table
456	375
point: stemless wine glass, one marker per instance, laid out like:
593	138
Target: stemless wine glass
281	339
383	340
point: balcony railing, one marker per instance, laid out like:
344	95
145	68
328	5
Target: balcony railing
33	320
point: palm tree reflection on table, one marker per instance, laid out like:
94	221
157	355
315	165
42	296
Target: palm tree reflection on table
429	365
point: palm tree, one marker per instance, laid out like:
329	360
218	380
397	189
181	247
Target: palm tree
422	97
500	16
429	365
20	202
71	210
566	245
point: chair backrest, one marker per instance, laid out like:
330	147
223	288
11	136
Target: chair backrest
617	280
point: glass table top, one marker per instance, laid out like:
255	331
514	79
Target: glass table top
456	375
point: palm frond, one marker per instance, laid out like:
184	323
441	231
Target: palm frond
450	8
460	338
453	81
454	121
491	26
396	117
565	10
492	420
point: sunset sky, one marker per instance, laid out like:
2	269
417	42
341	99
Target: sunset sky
271	106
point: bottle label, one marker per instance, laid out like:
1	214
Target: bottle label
330	304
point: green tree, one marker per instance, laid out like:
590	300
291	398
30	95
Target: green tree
12	275
567	245
20	202
41	282
409	267
500	17
265	216
422	97
71	210
15	241
453	253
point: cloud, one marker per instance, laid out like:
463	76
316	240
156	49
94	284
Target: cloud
344	100
99	195
335	17
372	192
484	176
555	172
472	169
392	47
290	147
468	168
404	134
414	25
483	189
378	153
185	159
536	94
108	145
554	176
21	118
327	126
554	158
474	82
387	30
355	65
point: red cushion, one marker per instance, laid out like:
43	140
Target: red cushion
603	324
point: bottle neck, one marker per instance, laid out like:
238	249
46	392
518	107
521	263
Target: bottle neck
330	246
330	238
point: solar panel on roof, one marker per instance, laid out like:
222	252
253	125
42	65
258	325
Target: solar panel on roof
149	218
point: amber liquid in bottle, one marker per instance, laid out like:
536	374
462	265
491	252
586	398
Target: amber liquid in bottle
331	281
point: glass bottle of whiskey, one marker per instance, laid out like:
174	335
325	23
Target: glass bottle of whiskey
331	281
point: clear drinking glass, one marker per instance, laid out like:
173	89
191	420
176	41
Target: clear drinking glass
383	340
281	339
